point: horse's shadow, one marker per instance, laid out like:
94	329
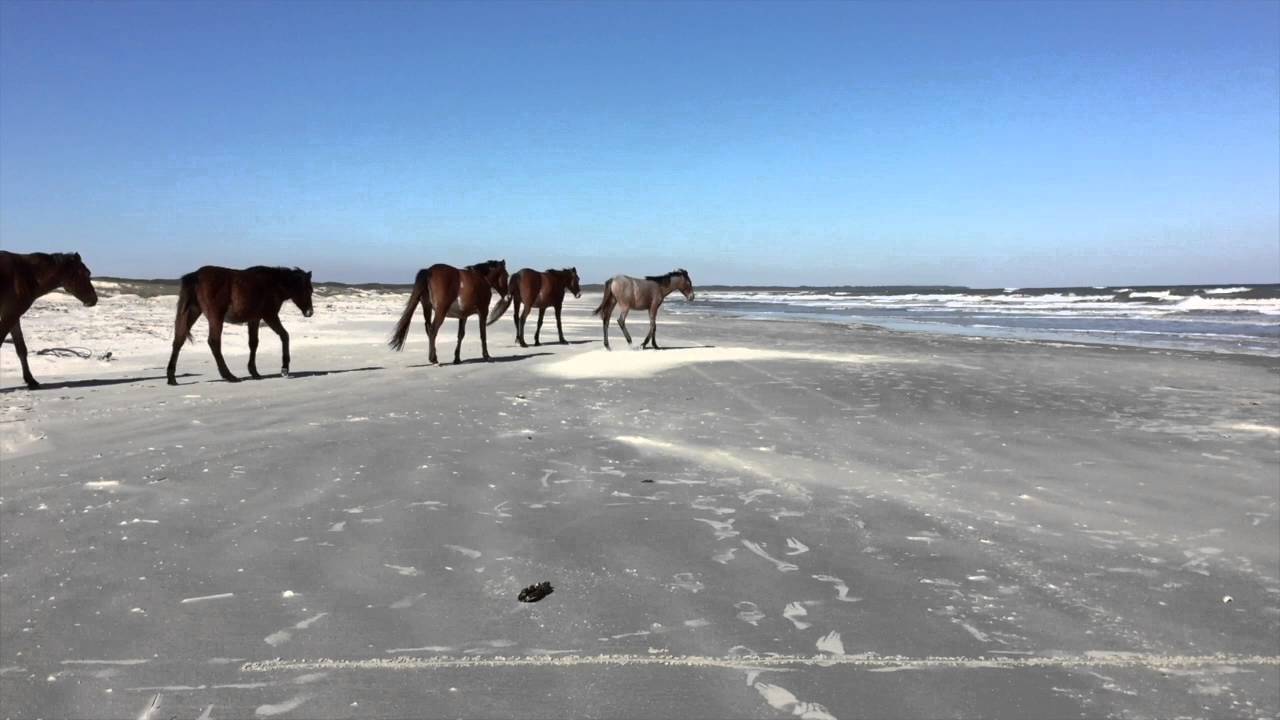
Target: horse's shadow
69	384
318	373
676	347
556	343
293	375
494	359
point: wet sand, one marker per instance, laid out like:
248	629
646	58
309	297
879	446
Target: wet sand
765	520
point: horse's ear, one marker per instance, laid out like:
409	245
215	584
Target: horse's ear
308	274
78	257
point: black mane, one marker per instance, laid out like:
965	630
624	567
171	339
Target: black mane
665	279
280	270
484	267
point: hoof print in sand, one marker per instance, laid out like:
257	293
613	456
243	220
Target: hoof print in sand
534	593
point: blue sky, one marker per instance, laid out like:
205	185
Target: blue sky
987	144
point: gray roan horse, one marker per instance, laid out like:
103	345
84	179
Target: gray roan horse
635	294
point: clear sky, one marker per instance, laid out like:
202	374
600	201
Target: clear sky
986	144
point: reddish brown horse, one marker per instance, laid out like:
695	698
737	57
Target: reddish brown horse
23	278
542	290
446	291
253	295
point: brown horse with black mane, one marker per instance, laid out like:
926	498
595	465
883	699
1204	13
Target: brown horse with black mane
253	295
23	278
531	289
446	291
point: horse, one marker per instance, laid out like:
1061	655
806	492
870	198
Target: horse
636	294
23	278
253	295
541	290
446	291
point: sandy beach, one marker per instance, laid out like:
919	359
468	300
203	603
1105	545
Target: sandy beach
763	520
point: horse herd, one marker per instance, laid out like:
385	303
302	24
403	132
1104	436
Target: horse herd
255	295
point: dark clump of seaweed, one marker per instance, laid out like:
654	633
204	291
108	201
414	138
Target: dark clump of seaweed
534	593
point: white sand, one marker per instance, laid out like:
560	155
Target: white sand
624	362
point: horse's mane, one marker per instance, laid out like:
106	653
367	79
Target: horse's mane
290	272
664	279
484	267
58	258
562	271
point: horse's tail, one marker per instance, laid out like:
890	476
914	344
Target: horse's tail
187	300
608	300
513	287
420	285
496	314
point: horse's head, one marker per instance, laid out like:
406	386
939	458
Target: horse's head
497	276
75	279
300	291
573	282
680	281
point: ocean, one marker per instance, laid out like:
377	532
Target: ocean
1221	318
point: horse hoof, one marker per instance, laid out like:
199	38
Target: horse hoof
33	385
173	382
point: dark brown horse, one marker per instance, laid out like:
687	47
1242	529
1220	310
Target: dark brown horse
446	291
253	295
635	294
542	290
23	278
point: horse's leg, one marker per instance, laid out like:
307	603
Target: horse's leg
622	323
274	323
253	349
180	335
653	328
605	321
515	317
462	331
215	345
520	327
559	327
542	311
437	320
484	335
20	344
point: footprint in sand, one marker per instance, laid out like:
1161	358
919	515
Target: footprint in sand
723	528
782	565
831	643
749	497
842	590
281	637
796	610
686	581
473	554
282	707
797	547
749	612
783	699
708	503
406	602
